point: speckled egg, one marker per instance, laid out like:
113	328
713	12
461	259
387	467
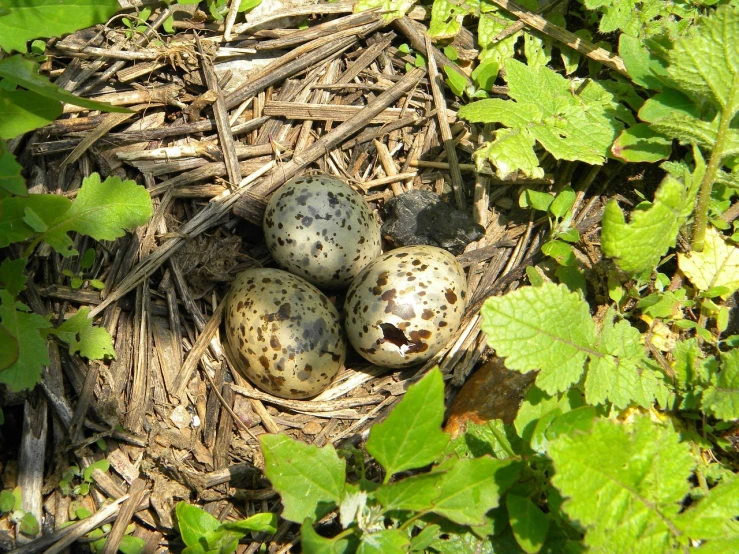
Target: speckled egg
317	227
403	307
284	332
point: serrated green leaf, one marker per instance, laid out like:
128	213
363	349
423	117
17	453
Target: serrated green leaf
411	436
11	179
9	349
578	420
194	523
716	266
714	517
29	19
639	144
620	375
27	328
412	493
638	246
529	524
94	343
702	64
570	126
261	523
313	543
511	151
24	111
12	277
13	227
389	541
493	438
102	210
547	328
688	130
471	487
310	480
25	72
624	483
446	18
721	399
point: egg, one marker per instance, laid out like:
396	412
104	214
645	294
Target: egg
285	334
319	228
403	307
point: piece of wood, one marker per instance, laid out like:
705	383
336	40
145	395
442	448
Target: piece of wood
323	112
135	494
31	458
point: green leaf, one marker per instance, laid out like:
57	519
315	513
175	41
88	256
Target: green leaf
29	525
9	349
638	246
194	523
537	404
570	126
411	436
389	541
644	68
12	277
721	399
313	543
640	143
91	342
34	221
560	251
24	111
485	74
457	83
471	487
102	210
103	465
261	523
702	65
32	353
716	266
29	19
132	545
538	200
547	328
529	524
666	103
563	202
624	483
446	18
24	72
13	227
620	374
7	501
714	516
412	493
87	259
310	480
11	179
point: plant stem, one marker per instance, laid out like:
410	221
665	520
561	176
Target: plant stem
704	195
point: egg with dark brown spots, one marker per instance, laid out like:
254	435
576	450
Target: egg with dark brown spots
404	307
285	334
319	228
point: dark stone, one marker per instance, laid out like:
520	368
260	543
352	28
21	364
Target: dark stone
421	217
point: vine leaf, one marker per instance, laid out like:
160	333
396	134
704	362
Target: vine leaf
547	328
636	472
716	266
102	210
638	246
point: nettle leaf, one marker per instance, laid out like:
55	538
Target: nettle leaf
620	374
25	111
537	404
11	179
688	129
29	19
94	343
102	210
389	541
714	517
547	328
702	64
638	246
624	483
446	17
716	266
471	487
310	480
721	399
411	436
24	72
12	277
391	9
570	124
27	329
